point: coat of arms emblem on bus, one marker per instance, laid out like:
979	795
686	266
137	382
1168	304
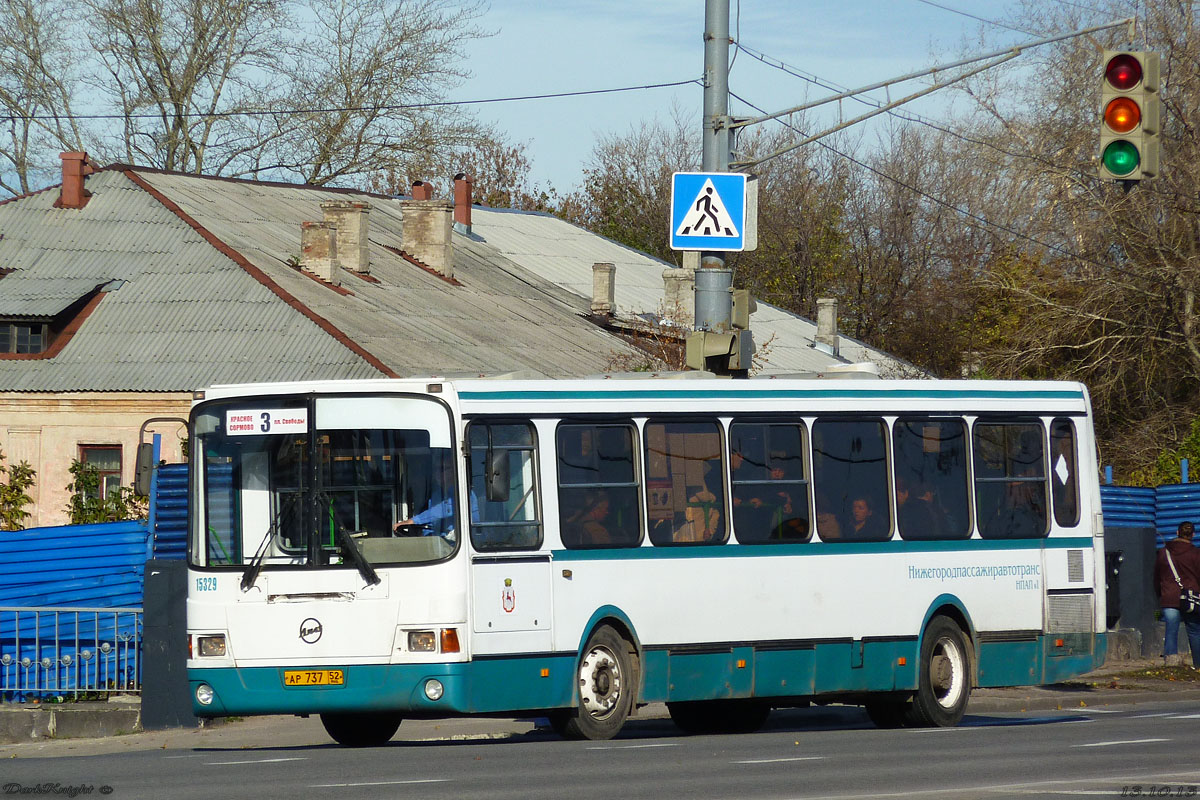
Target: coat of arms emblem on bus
509	596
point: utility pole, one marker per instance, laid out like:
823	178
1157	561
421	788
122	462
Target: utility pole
713	280
715	344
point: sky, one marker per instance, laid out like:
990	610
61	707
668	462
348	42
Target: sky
573	45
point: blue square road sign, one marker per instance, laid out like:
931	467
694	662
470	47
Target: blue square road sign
708	211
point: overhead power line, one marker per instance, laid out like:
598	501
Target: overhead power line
996	23
986	223
338	109
1013	51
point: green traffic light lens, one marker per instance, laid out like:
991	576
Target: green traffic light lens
1120	158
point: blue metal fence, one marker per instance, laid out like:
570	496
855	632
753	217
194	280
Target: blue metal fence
71	597
55	652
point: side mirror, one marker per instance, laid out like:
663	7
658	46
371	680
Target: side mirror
496	477
144	469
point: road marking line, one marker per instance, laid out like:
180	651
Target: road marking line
259	761
633	746
1185	716
779	760
1126	741
376	783
1148	716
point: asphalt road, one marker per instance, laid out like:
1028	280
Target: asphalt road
1144	750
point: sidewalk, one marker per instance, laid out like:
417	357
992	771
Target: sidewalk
72	728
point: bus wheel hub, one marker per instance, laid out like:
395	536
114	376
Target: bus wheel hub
599	681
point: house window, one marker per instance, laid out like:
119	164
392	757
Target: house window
23	336
107	460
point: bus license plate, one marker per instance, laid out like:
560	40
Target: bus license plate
313	677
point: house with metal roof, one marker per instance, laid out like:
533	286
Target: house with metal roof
125	289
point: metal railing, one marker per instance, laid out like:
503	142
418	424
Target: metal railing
49	653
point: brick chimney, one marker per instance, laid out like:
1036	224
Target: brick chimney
827	330
679	295
603	289
318	250
75	166
350	220
462	202
422	191
426	233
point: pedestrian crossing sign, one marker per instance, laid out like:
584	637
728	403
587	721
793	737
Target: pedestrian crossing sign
708	211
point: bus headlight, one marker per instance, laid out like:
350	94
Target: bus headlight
205	694
434	689
422	642
211	645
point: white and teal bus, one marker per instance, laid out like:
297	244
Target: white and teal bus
374	550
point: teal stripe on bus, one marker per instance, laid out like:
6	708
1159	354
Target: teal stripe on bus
820	549
753	393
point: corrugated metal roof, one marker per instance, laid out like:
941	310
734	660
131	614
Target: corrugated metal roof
563	254
23	295
186	316
193	312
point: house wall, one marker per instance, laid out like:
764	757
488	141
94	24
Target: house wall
47	430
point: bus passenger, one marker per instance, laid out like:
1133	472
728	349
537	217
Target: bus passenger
702	516
914	514
1021	515
863	522
828	525
587	525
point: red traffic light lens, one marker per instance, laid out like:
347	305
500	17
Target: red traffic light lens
1122	115
1123	72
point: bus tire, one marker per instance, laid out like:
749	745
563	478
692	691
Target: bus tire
944	676
361	729
605	684
888	712
719	716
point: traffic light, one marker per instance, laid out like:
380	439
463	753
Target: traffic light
1130	116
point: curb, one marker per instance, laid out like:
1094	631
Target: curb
83	720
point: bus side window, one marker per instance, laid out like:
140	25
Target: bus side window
929	459
768	485
850	475
512	523
685	492
597	486
1064	482
1010	480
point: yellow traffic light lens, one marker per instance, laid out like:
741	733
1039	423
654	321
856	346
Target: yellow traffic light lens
1123	72
1122	115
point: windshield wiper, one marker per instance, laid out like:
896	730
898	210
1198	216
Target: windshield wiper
350	547
250	575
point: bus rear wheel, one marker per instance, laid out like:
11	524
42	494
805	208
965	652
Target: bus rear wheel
944	679
361	730
605	685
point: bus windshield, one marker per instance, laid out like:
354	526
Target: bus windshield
297	480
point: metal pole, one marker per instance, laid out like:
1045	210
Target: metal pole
713	302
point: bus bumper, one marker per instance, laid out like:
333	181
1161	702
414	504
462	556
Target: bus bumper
466	688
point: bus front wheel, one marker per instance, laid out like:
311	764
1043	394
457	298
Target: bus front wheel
605	686
361	730
944	680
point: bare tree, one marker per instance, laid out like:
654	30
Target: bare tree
322	91
37	74
377	71
626	194
179	70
